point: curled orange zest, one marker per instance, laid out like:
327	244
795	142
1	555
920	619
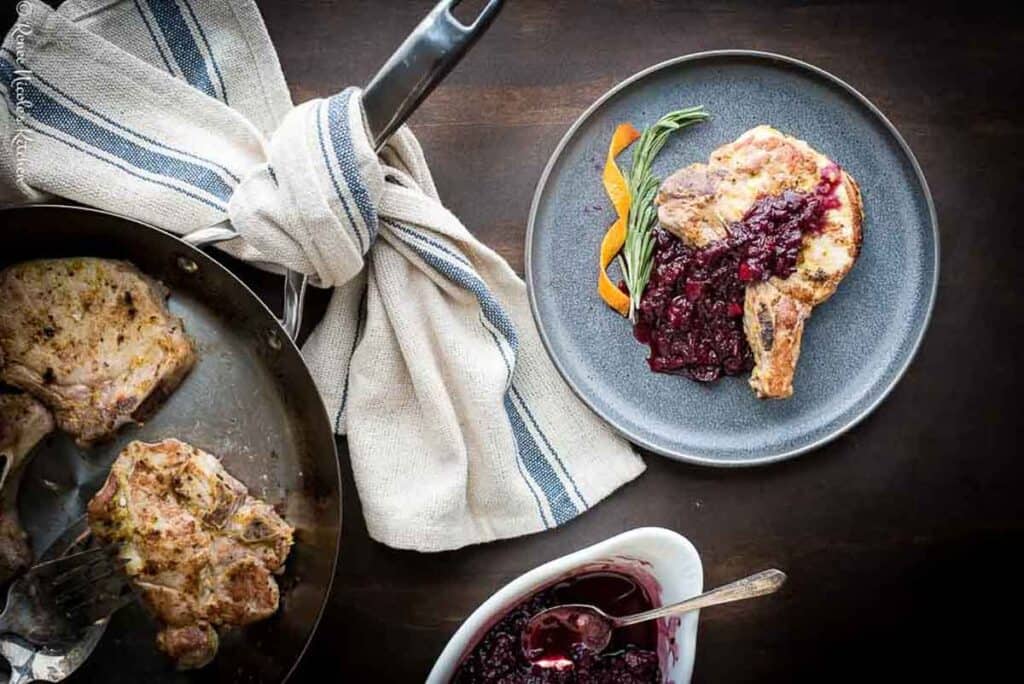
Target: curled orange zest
618	192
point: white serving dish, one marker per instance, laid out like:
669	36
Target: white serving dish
666	562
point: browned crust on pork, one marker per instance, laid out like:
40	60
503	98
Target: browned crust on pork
190	647
774	324
92	339
201	550
857	211
23	423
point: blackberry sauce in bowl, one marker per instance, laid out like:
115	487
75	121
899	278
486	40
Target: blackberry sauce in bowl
691	313
631	658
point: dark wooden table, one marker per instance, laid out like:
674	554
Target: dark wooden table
879	531
923	500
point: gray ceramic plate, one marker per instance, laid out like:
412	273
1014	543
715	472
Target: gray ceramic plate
856	345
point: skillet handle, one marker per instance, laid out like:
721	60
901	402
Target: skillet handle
421	62
294	283
418	65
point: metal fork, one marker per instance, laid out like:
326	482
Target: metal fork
55	601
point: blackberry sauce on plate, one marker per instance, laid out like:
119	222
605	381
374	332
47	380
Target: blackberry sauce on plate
691	313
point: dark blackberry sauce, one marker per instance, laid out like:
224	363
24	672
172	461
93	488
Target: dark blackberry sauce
631	658
691	313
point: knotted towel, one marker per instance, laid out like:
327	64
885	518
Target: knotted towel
175	112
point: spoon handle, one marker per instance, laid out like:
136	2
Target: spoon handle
759	584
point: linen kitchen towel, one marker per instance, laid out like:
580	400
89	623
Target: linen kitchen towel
176	113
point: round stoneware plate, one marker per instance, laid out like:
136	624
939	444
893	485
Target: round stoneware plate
856	345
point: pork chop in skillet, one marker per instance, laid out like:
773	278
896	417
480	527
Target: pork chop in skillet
702	203
23	422
201	550
92	339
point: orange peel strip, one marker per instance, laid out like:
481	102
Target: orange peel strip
618	192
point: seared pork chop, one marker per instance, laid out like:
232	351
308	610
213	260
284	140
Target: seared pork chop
699	202
23	422
200	549
774	324
92	339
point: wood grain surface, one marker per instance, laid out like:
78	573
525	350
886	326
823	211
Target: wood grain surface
922	499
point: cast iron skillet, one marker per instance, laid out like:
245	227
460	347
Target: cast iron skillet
250	398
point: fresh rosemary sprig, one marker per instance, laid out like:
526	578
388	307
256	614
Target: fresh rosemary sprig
643	186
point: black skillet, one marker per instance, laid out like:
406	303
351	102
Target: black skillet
250	398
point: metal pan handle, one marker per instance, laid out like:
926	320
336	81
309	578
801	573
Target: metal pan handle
421	62
418	65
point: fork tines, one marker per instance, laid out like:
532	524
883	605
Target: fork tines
87	586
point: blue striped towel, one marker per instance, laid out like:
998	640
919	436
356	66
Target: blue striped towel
175	112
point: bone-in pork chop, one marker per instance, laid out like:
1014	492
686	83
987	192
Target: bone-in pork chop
700	203
201	550
92	339
23	422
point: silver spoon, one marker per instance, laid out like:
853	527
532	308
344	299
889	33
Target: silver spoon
551	636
